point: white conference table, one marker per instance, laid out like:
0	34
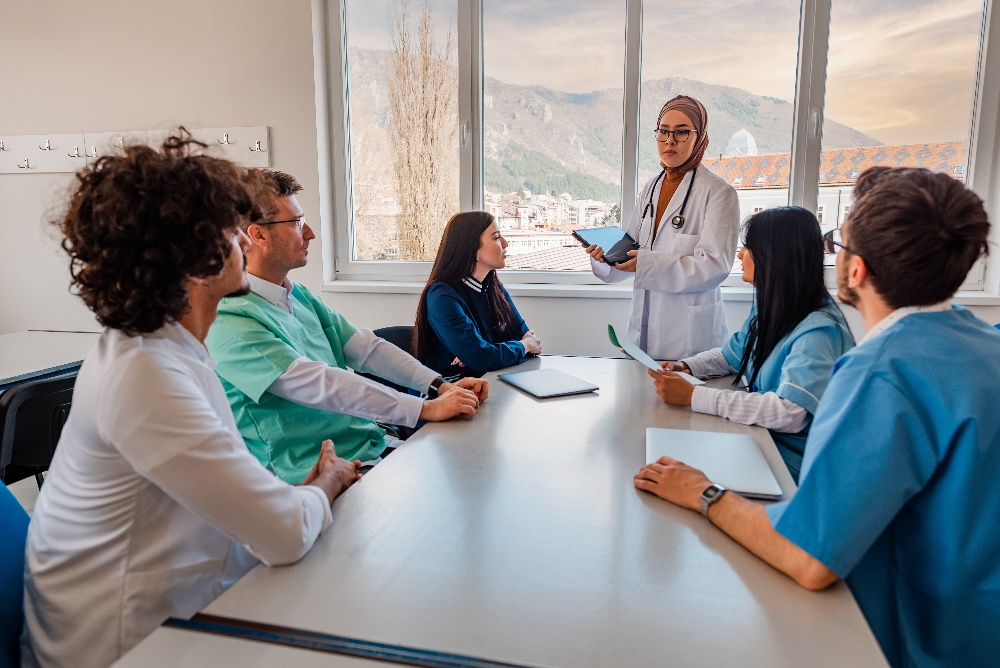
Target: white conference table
24	355
518	536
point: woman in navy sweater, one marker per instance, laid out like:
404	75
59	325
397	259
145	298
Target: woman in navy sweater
466	322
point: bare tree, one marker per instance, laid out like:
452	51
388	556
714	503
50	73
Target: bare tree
423	89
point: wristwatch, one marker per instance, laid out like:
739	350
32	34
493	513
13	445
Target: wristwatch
711	494
434	388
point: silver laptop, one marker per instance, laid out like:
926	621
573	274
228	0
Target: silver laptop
732	460
545	383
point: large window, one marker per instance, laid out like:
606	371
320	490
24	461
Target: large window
899	90
552	124
738	59
404	126
540	112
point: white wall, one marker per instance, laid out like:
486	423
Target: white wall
109	65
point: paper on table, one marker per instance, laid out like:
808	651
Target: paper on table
639	355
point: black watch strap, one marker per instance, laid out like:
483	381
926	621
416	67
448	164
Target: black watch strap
434	388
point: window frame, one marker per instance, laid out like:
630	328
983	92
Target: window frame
982	173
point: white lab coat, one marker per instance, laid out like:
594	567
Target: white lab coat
677	306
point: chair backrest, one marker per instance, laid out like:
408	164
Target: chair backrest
398	335
32	415
13	534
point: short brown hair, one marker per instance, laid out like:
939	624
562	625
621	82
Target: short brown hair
280	183
139	225
919	232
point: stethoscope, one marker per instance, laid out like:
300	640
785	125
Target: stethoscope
677	222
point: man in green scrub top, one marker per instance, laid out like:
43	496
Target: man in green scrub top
283	358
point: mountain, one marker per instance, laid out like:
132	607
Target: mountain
549	140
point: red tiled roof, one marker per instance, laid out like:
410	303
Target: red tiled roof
563	258
842	165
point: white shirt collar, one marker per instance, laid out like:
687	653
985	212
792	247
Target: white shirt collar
473	283
180	335
900	313
279	295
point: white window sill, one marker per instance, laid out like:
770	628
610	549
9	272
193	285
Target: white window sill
617	291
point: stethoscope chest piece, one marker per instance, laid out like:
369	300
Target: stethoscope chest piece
677	222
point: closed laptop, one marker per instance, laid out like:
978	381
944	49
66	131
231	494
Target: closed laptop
732	460
545	383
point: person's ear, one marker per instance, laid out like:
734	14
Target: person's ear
857	272
256	234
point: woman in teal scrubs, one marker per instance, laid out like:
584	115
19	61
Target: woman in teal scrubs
786	348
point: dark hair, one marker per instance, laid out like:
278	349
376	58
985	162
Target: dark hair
786	247
138	225
456	260
919	231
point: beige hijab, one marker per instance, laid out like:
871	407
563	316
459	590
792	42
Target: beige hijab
695	111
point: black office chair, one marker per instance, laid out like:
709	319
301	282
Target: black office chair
32	415
399	336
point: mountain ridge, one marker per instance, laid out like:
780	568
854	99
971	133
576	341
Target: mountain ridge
548	140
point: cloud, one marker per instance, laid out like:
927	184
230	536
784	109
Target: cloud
907	75
900	70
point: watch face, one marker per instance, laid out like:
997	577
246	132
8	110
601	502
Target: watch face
711	493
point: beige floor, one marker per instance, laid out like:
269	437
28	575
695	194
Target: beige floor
25	491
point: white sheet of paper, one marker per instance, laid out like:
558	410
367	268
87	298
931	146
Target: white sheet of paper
639	355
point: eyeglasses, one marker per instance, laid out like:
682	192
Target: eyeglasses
299	222
680	136
832	240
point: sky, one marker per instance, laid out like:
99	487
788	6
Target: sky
902	71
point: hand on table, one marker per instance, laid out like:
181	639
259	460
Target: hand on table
671	388
532	344
331	473
455	400
673	481
478	385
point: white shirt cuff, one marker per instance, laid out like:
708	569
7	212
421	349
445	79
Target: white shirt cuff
764	409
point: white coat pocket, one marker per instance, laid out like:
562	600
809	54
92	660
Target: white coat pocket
683	244
704	322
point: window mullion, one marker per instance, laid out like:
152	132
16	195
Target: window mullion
630	126
984	141
333	132
810	89
470	103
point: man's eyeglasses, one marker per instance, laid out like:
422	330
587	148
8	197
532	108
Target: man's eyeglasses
832	240
299	222
680	136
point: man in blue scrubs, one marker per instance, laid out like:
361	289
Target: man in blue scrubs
898	494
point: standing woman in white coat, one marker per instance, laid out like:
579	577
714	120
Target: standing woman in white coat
685	226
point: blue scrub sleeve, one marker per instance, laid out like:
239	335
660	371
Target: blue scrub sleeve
806	369
460	335
733	350
14	529
855	475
